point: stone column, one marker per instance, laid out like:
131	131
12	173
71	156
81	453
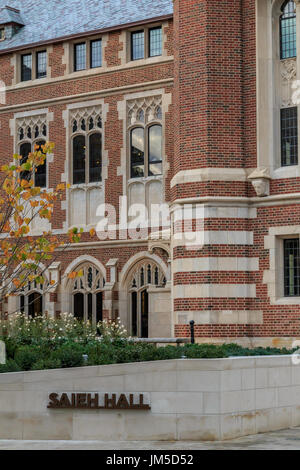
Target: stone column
110	299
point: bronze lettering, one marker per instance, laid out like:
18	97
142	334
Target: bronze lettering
54	402
64	401
110	402
81	400
123	402
92	401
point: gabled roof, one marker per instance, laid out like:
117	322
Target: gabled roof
9	15
46	20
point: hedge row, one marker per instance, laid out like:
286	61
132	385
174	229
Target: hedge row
56	355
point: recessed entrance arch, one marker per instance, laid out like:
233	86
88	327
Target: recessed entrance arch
144	276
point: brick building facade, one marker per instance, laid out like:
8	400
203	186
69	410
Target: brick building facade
191	104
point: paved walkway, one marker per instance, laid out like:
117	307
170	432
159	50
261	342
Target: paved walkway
288	440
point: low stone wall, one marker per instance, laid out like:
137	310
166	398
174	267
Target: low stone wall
205	399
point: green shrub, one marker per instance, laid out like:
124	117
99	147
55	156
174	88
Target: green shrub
26	356
10	366
11	345
69	355
47	364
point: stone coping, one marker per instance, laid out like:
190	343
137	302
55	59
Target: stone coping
241	362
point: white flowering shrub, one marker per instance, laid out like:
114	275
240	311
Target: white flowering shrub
28	330
112	330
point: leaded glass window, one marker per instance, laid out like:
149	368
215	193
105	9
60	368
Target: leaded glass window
41	64
155	42
26	67
80	56
25	150
96	53
288	30
79	159
137	152
137	45
155	150
291	268
289	136
95	157
41	171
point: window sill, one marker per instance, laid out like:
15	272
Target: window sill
86	186
144	179
287	301
292	171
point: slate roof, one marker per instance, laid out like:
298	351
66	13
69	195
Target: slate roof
52	19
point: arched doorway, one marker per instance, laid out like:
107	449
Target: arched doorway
87	294
145	275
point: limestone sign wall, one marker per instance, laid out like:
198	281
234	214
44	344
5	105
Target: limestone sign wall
205	399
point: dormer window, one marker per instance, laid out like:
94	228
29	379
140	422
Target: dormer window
10	22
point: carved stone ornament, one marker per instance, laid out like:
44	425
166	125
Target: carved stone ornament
260	179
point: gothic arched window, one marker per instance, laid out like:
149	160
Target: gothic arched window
288	30
31	138
32	298
147	274
87	291
146	161
87	150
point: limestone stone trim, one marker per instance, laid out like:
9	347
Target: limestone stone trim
210	174
123	52
112	266
221	317
253	341
79	260
88	95
253	202
186	265
214	237
71	75
288	73
274	276
54	275
197	291
136	259
215	212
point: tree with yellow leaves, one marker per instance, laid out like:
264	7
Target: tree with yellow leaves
23	257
